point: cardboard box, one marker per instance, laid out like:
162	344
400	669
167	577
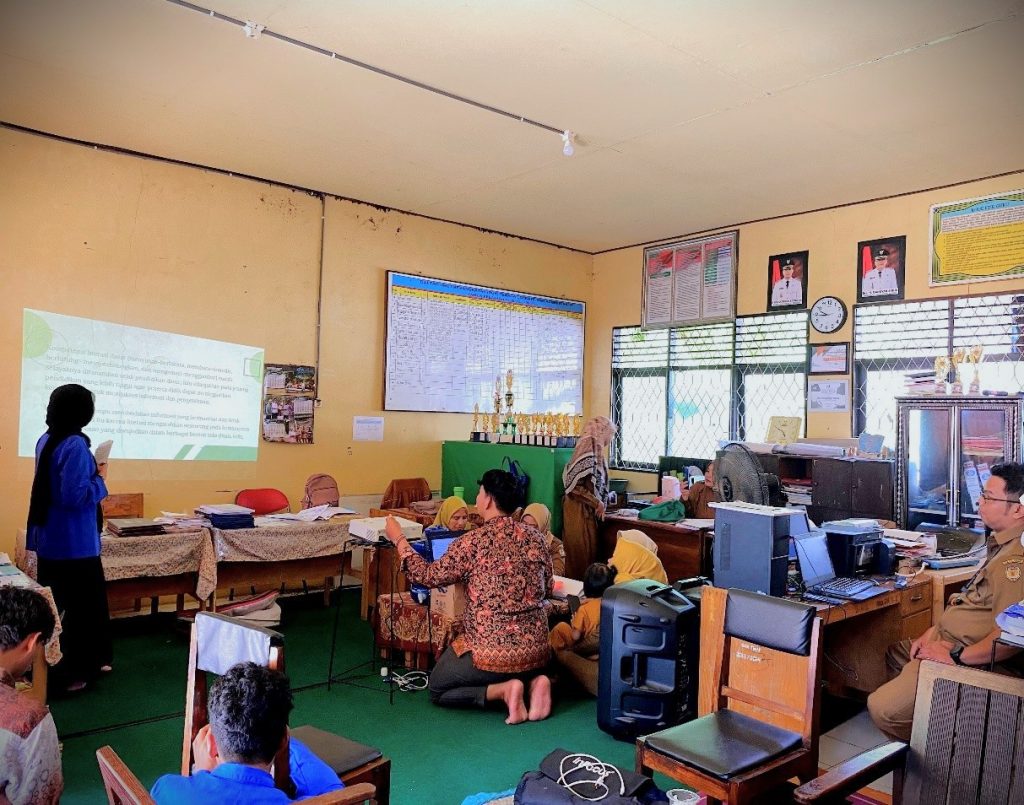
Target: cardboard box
449	601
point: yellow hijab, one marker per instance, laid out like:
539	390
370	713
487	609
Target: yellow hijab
448	508
540	513
633	560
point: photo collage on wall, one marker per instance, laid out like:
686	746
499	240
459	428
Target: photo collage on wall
289	392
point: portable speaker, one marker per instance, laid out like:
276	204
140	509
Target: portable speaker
649	659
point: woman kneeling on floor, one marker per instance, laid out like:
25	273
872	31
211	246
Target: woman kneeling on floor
503	652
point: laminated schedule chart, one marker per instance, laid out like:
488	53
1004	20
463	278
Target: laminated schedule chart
447	343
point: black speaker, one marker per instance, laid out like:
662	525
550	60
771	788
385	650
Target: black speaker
649	659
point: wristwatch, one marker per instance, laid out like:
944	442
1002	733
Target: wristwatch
954	655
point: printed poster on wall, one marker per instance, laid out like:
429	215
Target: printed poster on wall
289	391
977	240
690	282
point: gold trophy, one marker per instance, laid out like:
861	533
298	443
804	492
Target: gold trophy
508	428
549	429
941	373
578	426
974	356
959	354
476	423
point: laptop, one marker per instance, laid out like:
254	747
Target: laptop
820	575
439	541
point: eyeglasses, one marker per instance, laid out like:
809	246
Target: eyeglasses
993	498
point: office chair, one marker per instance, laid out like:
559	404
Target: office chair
759	701
124	788
219	642
966	745
263	501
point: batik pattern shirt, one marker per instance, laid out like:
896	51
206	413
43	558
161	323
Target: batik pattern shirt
30	772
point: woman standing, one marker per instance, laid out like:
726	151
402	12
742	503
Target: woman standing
64	531
586	492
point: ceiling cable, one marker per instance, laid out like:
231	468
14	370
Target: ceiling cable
256	31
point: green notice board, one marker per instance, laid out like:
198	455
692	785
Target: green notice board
463	463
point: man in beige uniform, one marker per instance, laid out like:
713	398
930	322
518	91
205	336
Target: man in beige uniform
967	629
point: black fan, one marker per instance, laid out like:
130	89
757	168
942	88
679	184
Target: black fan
740	478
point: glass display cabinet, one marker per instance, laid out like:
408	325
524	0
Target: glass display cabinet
945	448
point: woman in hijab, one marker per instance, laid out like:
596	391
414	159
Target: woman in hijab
636	557
453	514
64	531
586	492
538	516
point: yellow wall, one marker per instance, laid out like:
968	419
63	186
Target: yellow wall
830	236
150	244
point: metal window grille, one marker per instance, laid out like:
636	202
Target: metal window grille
771	372
895	342
681	391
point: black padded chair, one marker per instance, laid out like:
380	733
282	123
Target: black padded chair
759	701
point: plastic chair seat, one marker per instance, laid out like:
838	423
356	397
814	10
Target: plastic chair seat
724	743
341	754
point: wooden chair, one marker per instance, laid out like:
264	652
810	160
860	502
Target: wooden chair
217	643
966	745
124	788
759	701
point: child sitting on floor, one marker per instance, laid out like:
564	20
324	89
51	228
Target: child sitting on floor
586	623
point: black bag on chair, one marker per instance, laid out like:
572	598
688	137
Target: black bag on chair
567	778
515	469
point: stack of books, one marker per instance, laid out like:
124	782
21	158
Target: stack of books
920	381
228	515
797	490
1011	621
134	527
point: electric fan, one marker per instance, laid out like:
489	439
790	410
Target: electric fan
739	478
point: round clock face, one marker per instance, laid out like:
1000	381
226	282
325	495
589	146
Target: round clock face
828	314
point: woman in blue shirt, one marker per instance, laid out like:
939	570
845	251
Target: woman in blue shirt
64	530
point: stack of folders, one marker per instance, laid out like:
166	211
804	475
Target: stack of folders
228	515
133	527
1011	621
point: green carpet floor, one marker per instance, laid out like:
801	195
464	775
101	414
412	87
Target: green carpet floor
438	756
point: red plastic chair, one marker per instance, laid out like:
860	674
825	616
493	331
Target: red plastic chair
263	501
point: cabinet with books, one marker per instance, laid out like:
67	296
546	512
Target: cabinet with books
946	447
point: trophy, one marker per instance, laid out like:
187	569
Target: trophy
974	356
941	374
578	426
474	435
549	429
959	354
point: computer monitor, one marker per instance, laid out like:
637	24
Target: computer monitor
815	563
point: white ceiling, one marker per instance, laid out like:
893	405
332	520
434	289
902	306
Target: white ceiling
691	114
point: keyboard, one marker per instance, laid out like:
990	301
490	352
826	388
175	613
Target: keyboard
822	599
844	588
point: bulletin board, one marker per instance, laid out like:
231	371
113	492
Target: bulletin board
447	343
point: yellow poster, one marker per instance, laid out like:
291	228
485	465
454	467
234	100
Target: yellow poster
978	239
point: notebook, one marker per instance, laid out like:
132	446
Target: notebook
820	575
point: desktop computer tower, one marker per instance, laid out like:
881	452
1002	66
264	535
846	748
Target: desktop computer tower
751	547
649	659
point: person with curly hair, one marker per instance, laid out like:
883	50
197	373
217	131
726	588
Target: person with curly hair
29	753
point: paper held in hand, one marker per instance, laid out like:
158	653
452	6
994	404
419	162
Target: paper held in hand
103	451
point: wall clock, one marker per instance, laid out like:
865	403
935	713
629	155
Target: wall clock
828	314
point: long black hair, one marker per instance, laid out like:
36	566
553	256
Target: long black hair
71	408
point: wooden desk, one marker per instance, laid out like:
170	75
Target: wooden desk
858	633
945	583
684	552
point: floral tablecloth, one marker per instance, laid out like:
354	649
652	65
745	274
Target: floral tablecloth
404	625
278	540
161	555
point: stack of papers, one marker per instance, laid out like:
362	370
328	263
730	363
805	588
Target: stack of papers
324	512
224	508
229	521
181	520
1011	621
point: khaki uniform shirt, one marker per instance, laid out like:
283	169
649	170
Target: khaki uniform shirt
999	583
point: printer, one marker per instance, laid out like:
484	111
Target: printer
855	547
371	529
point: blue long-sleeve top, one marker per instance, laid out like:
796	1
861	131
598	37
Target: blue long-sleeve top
75	490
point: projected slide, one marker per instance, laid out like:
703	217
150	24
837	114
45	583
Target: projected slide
158	395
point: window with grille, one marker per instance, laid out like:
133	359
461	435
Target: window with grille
894	340
681	391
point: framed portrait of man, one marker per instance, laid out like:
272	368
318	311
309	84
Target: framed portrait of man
787	281
880	269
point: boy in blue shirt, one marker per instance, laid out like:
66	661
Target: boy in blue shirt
249	708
